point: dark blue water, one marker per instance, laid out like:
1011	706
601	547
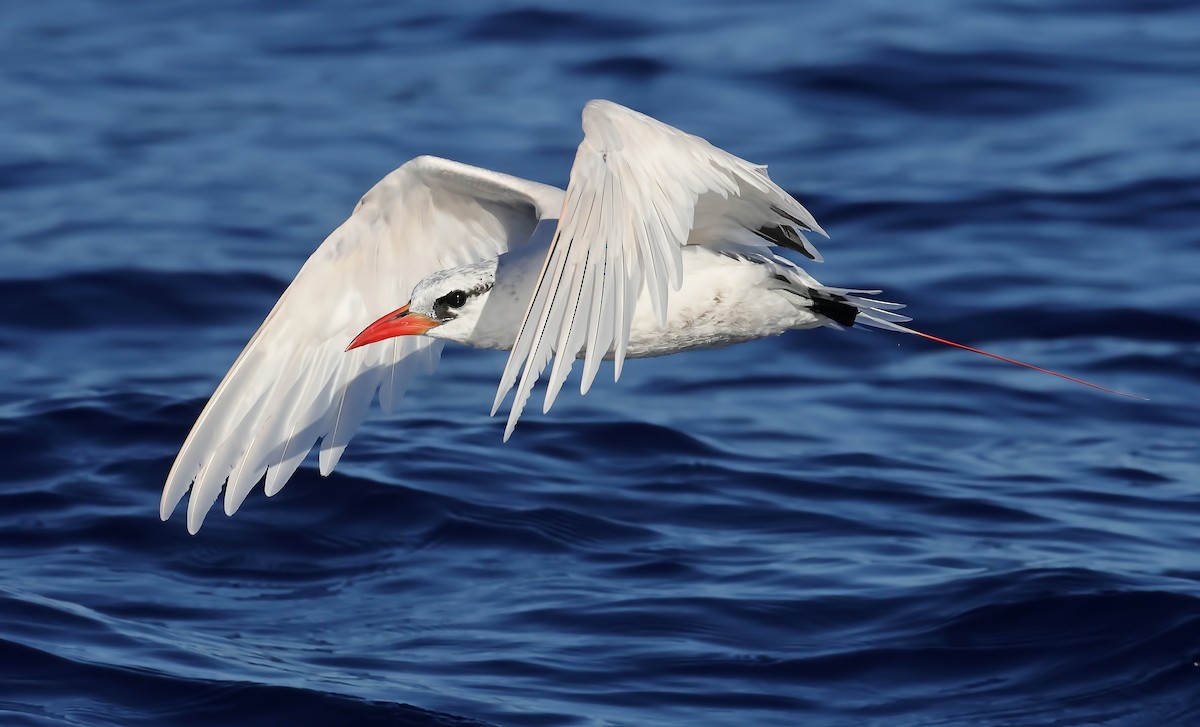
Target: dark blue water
825	528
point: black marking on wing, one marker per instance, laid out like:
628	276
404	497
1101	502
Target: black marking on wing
784	236
797	222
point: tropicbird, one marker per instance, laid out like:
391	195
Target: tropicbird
660	243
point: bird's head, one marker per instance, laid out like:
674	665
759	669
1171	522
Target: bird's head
446	304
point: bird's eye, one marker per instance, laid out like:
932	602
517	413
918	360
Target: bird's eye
454	299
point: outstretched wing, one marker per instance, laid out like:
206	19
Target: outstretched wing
295	383
639	191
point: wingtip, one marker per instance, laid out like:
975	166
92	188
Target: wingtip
172	494
328	458
618	364
501	392
165	508
195	514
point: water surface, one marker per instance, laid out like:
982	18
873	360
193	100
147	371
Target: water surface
824	528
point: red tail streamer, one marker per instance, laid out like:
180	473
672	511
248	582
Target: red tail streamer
1022	363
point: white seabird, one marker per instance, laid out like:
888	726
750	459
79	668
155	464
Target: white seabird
661	243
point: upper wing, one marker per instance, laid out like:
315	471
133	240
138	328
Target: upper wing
639	191
294	382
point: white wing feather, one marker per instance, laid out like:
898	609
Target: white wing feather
294	383
639	191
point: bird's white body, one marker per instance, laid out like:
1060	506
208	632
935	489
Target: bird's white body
723	300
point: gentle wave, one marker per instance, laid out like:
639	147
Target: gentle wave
824	528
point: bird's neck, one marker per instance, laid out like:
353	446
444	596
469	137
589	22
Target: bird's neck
495	326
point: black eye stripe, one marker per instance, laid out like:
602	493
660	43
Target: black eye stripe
453	299
444	306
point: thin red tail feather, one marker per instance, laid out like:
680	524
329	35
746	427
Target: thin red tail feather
1021	363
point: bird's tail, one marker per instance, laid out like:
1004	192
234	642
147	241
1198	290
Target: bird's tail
1014	361
848	307
880	314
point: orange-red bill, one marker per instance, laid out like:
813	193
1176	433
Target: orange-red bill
399	322
1022	363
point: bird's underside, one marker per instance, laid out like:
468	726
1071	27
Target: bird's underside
660	243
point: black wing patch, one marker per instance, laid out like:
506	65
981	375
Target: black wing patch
784	236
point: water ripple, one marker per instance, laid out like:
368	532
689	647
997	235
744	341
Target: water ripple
824	528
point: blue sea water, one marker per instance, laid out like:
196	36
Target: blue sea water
827	528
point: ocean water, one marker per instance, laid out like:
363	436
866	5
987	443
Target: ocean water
826	528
